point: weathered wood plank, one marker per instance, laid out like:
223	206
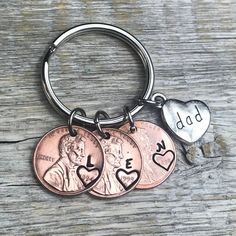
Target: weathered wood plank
193	48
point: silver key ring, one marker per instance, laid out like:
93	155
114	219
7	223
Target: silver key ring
106	29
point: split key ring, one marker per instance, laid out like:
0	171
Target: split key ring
112	31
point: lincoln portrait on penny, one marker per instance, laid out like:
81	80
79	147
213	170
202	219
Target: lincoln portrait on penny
113	156
63	174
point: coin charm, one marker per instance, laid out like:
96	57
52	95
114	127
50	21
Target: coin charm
158	153
123	165
187	120
68	165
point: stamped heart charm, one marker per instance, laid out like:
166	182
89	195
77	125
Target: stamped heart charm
87	176
187	120
127	178
164	160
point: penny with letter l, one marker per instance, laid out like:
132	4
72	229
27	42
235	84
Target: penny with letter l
122	167
158	152
68	165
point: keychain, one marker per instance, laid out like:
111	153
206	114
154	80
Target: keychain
113	155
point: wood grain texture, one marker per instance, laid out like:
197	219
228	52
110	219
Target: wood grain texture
193	48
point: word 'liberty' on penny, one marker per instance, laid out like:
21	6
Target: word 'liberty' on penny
123	165
77	161
158	153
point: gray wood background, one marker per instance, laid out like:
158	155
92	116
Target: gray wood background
193	48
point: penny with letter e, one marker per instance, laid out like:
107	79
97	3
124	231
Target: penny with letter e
123	165
68	165
158	153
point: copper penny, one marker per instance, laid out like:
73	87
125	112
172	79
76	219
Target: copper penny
68	165
158	152
123	164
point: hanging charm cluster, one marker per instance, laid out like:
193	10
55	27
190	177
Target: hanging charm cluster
110	162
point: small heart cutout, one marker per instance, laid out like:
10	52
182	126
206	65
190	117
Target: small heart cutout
88	176
164	160
187	120
127	178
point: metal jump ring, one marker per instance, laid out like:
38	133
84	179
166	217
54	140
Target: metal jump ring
130	119
157	100
106	29
98	123
70	120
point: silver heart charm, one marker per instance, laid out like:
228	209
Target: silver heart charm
187	120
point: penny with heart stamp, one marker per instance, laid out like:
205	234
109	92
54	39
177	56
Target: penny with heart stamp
164	160
187	120
127	178
123	164
158	153
68	165
88	176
